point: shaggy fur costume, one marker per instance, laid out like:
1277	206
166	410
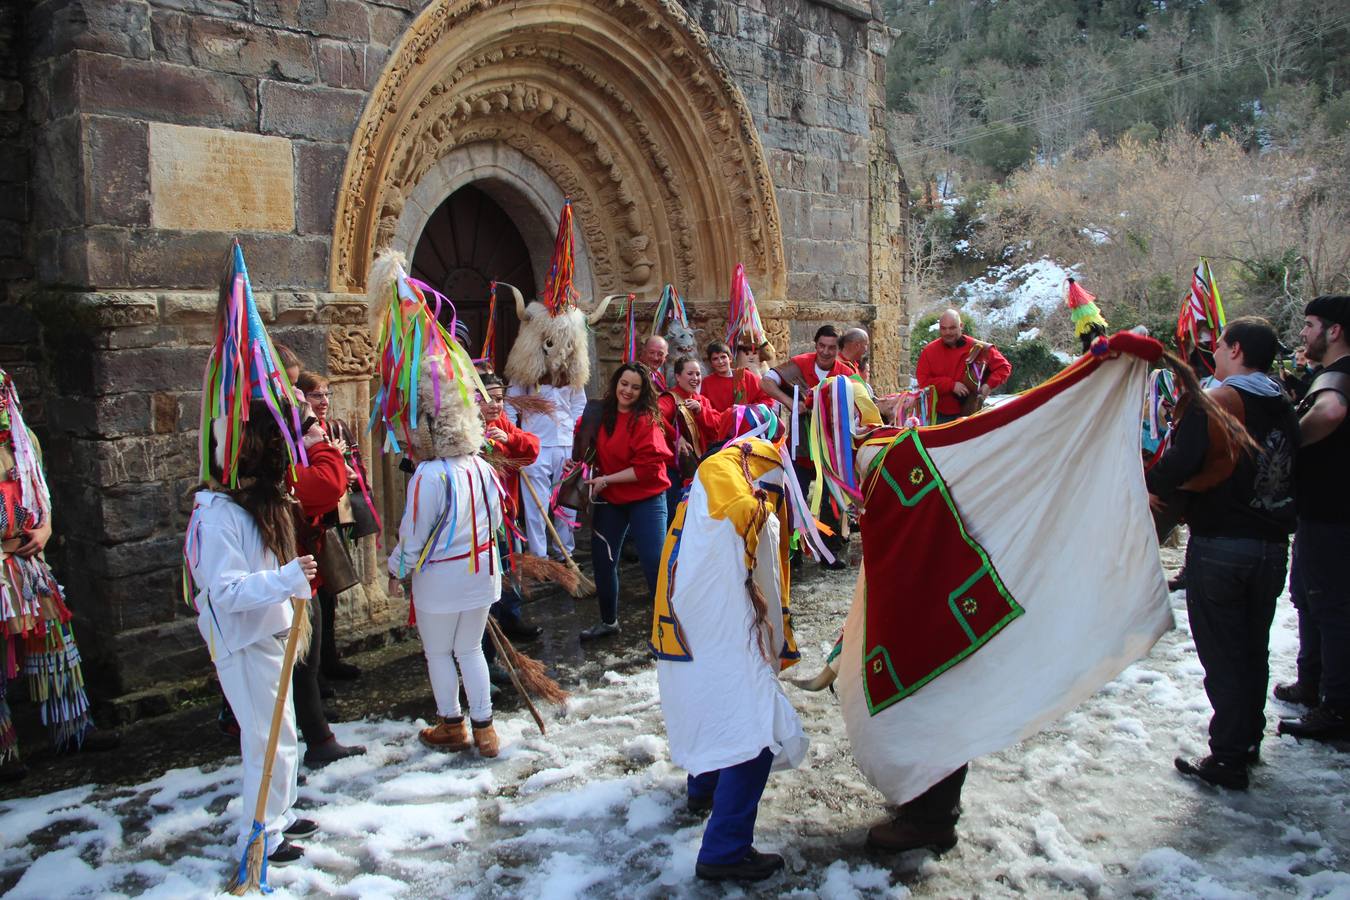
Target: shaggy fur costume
455	429
548	347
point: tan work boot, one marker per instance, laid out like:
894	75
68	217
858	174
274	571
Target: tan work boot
446	735
485	739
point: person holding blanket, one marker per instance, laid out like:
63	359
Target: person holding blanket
447	546
721	632
631	458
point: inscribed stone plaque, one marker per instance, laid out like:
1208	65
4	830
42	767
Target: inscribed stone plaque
208	179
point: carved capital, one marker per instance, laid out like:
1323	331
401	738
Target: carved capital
350	350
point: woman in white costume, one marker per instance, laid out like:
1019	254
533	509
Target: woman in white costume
241	555
447	546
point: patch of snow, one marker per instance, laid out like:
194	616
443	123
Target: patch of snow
961	246
1029	335
1097	235
1089	807
1006	296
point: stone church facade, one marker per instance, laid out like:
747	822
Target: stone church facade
142	135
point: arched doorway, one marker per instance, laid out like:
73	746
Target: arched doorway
468	243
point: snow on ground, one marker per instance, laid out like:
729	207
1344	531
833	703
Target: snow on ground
1091	806
1006	296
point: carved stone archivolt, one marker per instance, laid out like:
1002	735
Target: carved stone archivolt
623	105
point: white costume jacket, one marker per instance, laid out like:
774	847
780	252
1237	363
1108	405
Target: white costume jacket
241	591
447	539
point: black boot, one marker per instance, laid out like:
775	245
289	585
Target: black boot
1222	773
1321	723
1297	692
755	866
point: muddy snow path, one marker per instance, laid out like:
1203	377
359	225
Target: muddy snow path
595	808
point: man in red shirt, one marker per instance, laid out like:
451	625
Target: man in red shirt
962	369
726	387
653	356
853	346
805	371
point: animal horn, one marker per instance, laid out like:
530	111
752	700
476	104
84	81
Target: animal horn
520	301
599	310
819	683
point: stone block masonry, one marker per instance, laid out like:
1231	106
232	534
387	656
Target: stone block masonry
141	135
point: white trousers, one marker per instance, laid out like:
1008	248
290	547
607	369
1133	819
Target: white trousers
450	638
542	474
250	677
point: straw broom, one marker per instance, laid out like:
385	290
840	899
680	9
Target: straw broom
250	875
586	585
527	674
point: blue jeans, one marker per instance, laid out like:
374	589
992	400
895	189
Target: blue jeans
507	607
610	524
1231	588
1309	636
1321	563
735	791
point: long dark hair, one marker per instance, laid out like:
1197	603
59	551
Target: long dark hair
262	489
646	401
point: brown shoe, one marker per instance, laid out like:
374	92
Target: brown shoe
485	739
899	835
446	735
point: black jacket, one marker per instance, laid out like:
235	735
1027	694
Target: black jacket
1257	500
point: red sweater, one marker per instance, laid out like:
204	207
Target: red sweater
707	420
721	389
943	366
520	447
319	487
641	443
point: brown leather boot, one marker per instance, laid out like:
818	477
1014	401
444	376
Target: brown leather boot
446	735
899	835
485	739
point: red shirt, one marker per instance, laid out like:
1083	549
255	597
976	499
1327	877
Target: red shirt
721	389
707	420
943	366
639	442
520	447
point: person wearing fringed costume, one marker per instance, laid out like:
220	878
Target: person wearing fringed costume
240	555
719	648
447	539
35	633
548	367
962	640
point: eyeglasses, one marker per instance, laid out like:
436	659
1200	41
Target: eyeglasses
319	395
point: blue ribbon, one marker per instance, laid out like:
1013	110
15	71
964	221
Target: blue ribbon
259	832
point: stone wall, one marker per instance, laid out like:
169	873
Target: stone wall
148	112
13	150
813	72
159	129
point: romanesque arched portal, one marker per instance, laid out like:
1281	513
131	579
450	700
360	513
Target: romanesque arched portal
619	104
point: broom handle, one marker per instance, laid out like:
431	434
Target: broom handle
279	710
548	520
499	641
